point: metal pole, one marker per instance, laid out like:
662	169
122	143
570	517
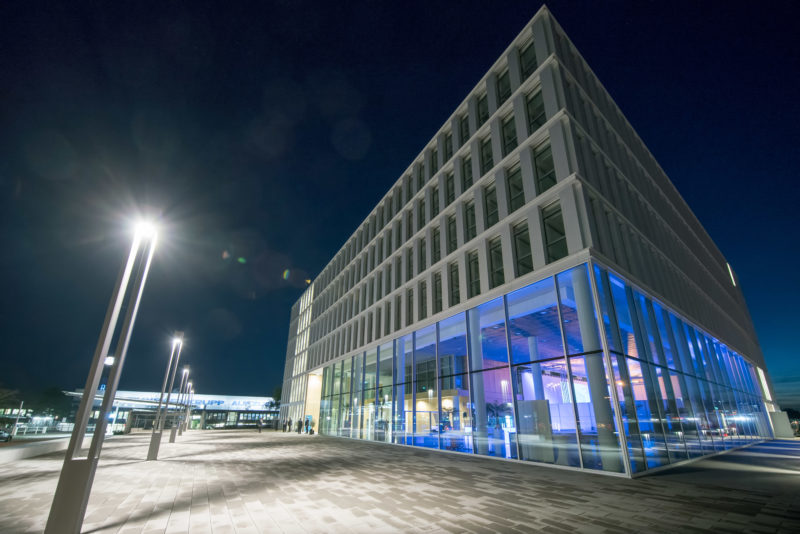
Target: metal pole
155	437
174	430
16	423
155	442
77	474
189	395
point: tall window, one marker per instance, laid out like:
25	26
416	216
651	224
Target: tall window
449	189
409	264
436	246
435	201
409	307
420	176
527	59
423	260
486	156
483	110
490	205
522	249
470	226
473	275
409	225
503	88
448	146
420	214
534	109
423	300
545	169
516	193
466	173
434	161
455	295
509	133
463	129
496	276
452	238
397	273
397	315
555	238
437	292
388	278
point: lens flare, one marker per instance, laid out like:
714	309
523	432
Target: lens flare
286	274
241	260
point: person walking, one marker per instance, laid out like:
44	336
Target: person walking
289	426
260	423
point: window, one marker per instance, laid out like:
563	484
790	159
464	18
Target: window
490	205
409	307
437	292
420	176
483	110
509	133
486	156
435	201
463	129
522	249
434	161
503	88
436	246
409	264
448	146
473	275
397	313
466	173
527	60
496	277
470	228
449	189
409	225
397	273
545	169
455	295
388	278
555	238
452	239
534	109
516	193
420	214
398	238
423	300
423	260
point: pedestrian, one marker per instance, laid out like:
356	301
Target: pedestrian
306	426
299	427
260	424
289	425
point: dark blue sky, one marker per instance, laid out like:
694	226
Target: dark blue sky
268	130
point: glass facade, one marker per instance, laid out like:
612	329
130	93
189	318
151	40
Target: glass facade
580	370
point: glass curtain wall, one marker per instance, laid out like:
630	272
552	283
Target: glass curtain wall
527	376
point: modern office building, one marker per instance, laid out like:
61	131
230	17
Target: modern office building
533	287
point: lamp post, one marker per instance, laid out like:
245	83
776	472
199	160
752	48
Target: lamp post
185	418
77	474
176	421
158	423
189	407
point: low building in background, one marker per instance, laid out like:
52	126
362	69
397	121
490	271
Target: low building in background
532	287
135	410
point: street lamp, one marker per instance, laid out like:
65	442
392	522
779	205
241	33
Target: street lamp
77	474
158	422
177	419
185	417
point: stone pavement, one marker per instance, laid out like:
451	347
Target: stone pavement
246	482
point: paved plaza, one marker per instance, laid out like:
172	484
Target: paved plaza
246	482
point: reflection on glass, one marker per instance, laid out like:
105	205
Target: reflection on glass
545	412
487	327
494	432
402	428
596	425
577	311
384	393
426	415
456	419
533	323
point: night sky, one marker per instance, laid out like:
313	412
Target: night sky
267	131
